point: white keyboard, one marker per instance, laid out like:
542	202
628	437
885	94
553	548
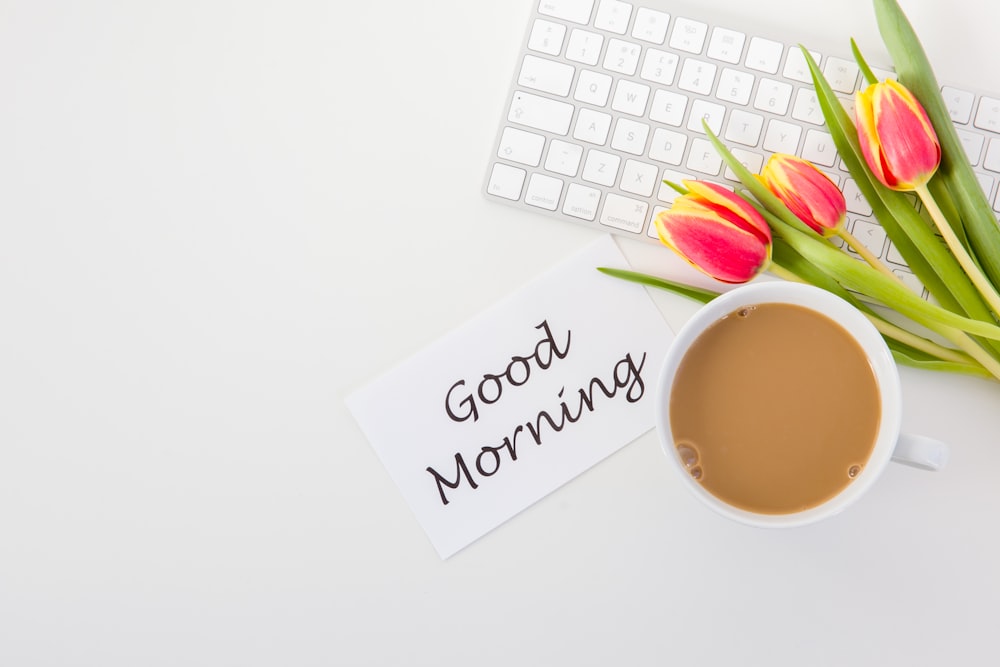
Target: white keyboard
608	97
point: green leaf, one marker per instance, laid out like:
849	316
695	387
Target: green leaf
869	75
915	72
680	189
696	293
907	356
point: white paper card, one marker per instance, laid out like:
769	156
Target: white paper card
518	401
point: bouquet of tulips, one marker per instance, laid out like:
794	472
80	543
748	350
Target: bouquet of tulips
901	142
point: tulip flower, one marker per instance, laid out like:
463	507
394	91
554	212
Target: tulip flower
718	232
814	199
807	192
897	139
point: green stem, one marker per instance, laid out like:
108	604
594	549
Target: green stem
973	349
779	271
900	334
970	267
865	253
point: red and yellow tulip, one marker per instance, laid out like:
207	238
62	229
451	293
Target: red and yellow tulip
807	192
718	232
897	139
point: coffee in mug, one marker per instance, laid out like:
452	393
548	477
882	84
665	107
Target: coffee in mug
779	404
774	408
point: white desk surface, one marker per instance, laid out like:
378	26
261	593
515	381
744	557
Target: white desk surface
217	219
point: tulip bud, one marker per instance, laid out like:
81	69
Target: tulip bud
807	192
897	139
718	232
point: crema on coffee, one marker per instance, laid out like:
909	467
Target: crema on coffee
774	409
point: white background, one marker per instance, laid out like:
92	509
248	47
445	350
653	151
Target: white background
218	218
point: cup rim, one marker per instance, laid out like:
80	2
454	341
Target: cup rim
824	303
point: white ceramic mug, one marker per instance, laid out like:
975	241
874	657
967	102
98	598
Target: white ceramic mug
890	444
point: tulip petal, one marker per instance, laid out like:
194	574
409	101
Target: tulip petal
741	212
806	191
908	142
712	244
897	139
867	136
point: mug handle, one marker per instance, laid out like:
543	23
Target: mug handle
920	452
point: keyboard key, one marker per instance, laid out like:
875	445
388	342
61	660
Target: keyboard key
726	45
624	213
871	235
988	115
668	146
806	107
577	11
546	75
601	168
581	201
704	158
754	162
818	148
972	142
540	113
668	107
892	255
630	136
592	126
622	57
593	88
773	96
986	183
667	194
650	25
842	74
697	76
630	98
911	281
563	158
856	202
959	103
639	178
547	37
882	75
992	159
520	146
543	191
782	137
744	127
709	112
584	46
735	86
764	55
613	16
796	68
659	67
688	35
506	181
